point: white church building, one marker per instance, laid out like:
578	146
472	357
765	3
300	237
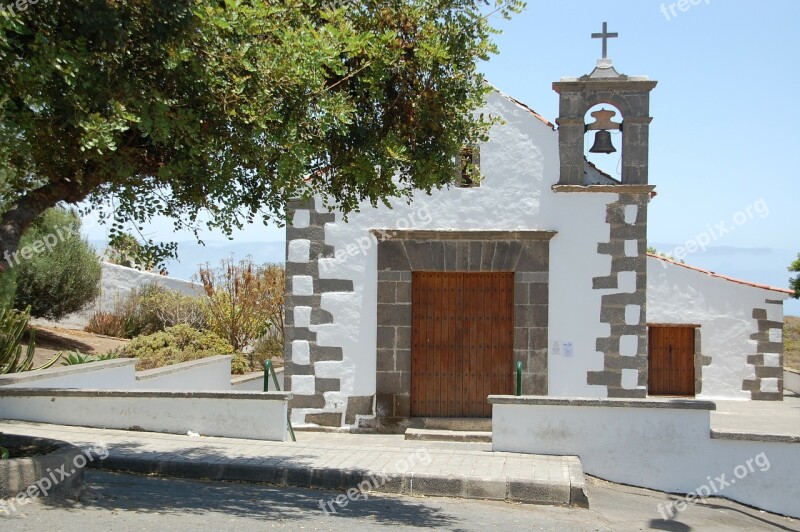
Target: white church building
424	309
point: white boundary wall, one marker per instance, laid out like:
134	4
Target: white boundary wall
207	374
251	415
657	444
791	380
117	374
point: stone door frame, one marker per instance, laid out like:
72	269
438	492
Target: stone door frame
525	253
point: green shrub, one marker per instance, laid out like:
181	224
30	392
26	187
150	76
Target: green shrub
8	285
167	308
180	343
240	364
57	271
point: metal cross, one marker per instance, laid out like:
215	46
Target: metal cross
605	36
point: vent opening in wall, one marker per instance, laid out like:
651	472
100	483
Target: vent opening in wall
469	168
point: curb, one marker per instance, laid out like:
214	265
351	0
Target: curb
413	484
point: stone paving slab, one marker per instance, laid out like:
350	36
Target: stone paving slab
382	463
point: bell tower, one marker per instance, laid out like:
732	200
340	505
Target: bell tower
622	292
630	95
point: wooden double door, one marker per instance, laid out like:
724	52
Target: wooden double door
671	360
462	342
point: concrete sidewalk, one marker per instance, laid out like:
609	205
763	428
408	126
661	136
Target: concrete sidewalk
382	463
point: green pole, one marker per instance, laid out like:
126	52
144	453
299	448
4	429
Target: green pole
519	378
267	364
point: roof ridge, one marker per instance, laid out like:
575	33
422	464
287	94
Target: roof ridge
523	105
720	276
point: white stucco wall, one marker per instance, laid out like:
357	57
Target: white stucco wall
208	374
663	449
791	381
254	382
520	163
723	309
250	415
118	374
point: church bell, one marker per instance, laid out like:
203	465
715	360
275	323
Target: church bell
602	143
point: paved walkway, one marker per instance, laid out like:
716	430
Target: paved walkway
383	463
759	420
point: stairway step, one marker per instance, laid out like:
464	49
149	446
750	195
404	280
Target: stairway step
449	435
452	423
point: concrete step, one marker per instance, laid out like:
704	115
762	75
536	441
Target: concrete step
452	423
449	435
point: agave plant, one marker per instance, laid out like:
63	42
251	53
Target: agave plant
76	357
12	326
111	355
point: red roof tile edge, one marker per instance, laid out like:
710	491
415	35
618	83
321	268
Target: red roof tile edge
725	277
519	103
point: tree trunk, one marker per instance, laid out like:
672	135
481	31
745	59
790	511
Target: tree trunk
15	220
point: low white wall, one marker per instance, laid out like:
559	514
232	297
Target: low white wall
250	415
791	380
254	382
117	374
207	374
657	444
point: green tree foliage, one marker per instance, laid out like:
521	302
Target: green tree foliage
794	282
126	250
221	110
57	271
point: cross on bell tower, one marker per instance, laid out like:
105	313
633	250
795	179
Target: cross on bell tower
605	36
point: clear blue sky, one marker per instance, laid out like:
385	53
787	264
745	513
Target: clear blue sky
725	116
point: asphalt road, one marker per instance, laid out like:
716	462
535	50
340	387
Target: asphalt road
119	502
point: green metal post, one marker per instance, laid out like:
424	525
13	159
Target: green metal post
519	378
267	368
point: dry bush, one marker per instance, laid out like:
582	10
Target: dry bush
245	301
107	324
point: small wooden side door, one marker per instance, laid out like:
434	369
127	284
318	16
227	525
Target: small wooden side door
671	360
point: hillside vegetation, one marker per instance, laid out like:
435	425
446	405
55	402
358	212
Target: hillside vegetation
791	341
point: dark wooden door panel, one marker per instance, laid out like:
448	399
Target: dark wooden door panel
671	360
462	342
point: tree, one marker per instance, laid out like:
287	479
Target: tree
794	282
222	110
57	271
